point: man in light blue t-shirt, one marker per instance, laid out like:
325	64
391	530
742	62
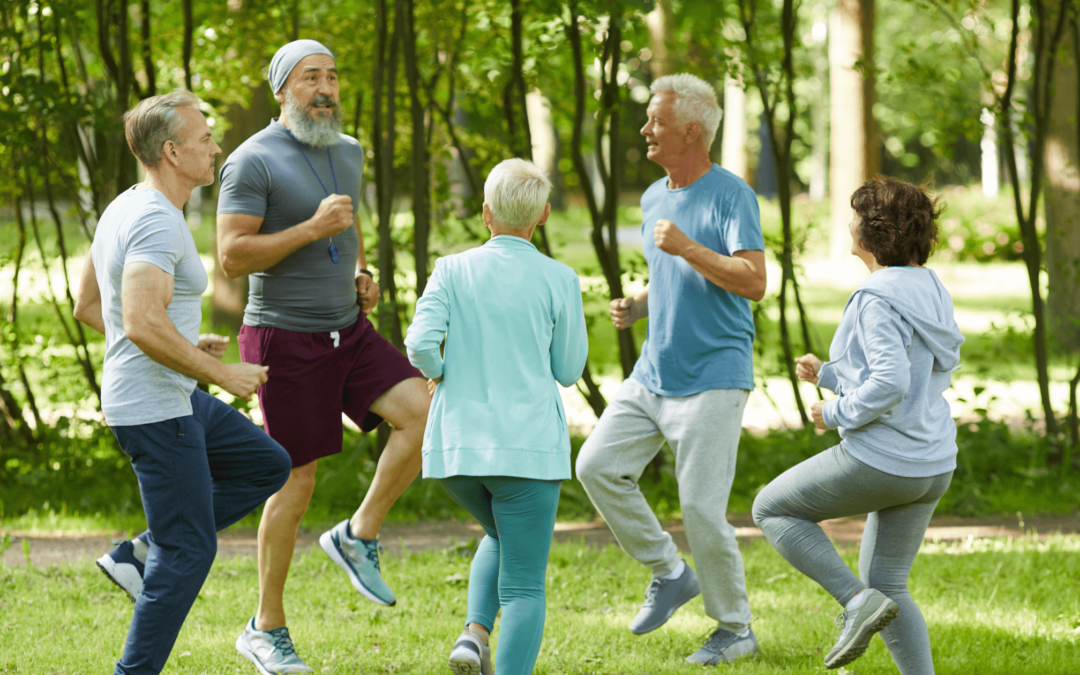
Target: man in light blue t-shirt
703	244
201	465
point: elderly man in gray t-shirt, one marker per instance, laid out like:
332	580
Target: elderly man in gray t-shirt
287	217
201	464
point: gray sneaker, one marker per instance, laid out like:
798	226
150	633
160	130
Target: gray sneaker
724	647
662	598
470	656
272	651
858	626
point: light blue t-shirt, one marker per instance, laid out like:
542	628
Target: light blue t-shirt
144	226
700	337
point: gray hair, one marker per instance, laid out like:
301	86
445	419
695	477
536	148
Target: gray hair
154	121
695	102
516	190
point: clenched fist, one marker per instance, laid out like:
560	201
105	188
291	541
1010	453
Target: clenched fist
242	379
367	292
334	216
624	312
807	367
818	416
670	239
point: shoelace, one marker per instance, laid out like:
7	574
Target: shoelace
840	621
650	593
282	640
372	549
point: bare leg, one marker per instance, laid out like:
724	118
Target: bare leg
405	407
277	539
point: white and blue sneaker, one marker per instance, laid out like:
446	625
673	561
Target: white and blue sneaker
724	647
360	560
271	651
121	567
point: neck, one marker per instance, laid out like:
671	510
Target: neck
174	190
525	234
284	121
688	171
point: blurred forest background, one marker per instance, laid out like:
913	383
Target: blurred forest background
979	96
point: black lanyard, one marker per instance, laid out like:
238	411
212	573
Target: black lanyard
331	249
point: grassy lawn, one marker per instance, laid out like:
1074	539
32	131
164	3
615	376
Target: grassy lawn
992	605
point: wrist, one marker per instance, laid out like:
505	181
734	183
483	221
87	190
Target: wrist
364	270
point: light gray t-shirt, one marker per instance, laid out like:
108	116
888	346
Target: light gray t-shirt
143	226
268	176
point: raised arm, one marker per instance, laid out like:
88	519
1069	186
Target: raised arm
884	337
88	304
146	292
242	250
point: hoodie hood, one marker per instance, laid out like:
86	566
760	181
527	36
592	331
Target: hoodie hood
920	298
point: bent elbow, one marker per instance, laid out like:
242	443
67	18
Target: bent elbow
229	267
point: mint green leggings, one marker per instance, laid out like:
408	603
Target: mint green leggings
510	565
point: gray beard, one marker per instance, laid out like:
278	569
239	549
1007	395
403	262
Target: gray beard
310	131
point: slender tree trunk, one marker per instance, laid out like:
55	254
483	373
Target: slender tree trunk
189	30
1047	38
148	59
781	146
421	189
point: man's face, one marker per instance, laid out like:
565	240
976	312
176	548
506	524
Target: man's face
197	149
313	84
666	139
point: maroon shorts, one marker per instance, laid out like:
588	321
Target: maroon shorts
311	382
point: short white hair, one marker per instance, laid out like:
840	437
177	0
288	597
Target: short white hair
695	101
516	190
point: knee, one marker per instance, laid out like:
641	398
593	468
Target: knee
279	468
588	467
762	509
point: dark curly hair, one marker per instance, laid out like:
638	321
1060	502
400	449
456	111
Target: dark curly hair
897	221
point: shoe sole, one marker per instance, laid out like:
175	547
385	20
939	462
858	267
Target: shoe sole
463	664
326	541
108	568
857	646
674	608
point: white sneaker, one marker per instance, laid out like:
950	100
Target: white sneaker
470	656
122	568
272	652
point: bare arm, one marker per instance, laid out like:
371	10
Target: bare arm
242	250
146	293
88	304
742	273
367	291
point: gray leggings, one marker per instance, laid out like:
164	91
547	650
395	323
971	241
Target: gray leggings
833	484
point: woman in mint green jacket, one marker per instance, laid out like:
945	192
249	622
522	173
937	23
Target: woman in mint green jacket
496	435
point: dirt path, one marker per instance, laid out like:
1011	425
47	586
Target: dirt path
47	551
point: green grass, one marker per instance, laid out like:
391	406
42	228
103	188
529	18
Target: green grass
992	606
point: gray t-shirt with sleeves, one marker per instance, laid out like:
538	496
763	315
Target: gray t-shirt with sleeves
268	176
144	226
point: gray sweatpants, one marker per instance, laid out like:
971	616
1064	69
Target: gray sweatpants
833	484
703	431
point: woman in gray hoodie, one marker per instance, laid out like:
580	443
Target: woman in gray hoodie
891	360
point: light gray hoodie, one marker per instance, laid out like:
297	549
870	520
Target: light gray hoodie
890	362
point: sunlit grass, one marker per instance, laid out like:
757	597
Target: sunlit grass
992	605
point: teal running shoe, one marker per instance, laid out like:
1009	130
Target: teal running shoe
360	560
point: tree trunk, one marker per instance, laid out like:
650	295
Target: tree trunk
733	138
148	59
189	29
853	139
661	24
383	139
1063	202
421	189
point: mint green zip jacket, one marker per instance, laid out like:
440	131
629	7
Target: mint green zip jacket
513	326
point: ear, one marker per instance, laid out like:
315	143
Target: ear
488	215
544	216
280	96
169	154
693	133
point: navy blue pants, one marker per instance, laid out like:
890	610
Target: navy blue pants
197	475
